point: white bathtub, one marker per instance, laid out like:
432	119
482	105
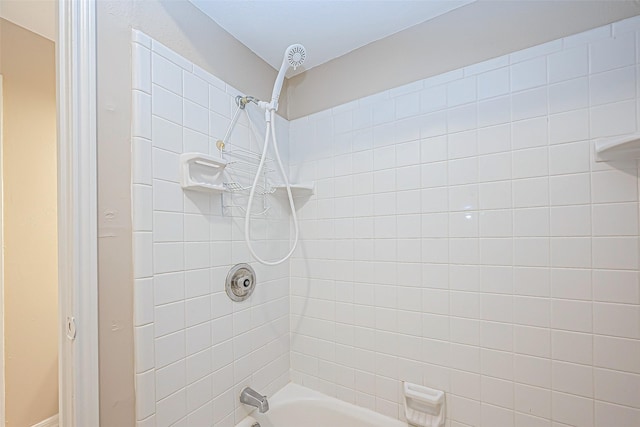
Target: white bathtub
296	406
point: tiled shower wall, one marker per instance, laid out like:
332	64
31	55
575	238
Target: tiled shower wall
194	348
462	237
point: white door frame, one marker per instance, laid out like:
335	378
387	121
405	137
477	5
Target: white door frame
77	214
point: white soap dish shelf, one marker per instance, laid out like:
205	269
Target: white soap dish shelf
625	147
424	406
201	172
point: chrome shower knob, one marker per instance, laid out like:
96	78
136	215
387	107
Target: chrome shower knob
241	282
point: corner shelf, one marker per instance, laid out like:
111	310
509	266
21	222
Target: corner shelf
304	189
201	172
617	148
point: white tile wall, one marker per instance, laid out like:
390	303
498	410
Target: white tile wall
195	349
462	237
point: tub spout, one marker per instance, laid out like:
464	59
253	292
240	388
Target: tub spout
252	398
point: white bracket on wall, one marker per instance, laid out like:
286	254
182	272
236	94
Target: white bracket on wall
617	148
304	189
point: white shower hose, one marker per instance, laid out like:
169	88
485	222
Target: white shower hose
270	116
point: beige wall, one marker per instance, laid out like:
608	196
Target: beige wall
185	29
465	36
30	225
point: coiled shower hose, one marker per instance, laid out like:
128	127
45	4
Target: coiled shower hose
270	119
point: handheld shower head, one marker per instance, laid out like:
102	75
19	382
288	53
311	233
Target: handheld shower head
296	54
294	57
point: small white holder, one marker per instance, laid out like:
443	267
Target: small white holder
201	172
625	147
304	189
423	406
